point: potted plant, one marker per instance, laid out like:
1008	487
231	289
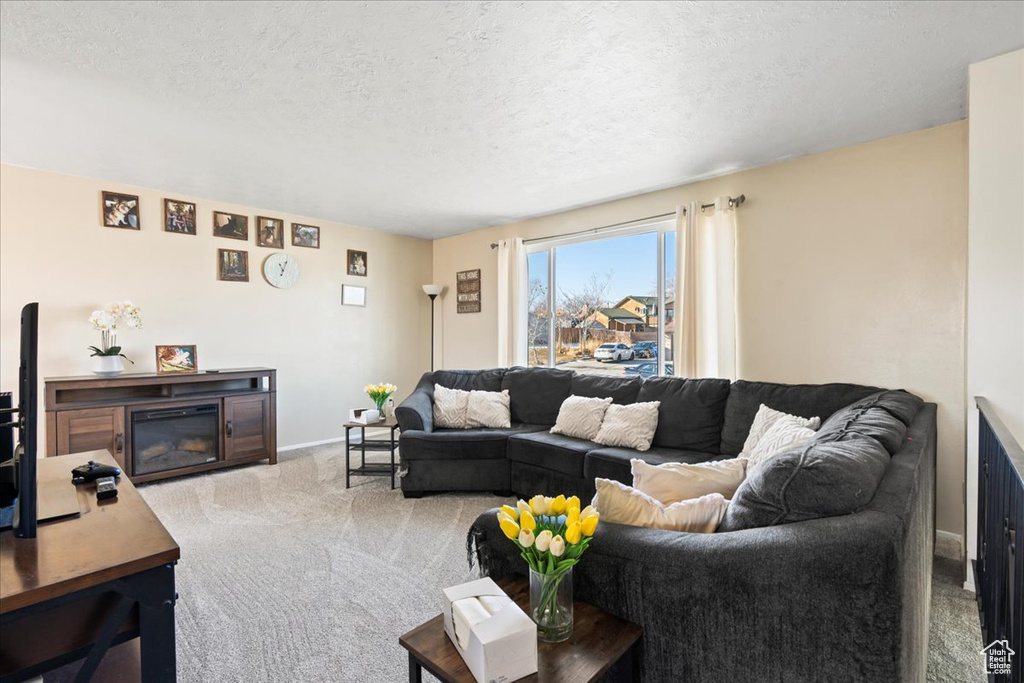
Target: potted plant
108	354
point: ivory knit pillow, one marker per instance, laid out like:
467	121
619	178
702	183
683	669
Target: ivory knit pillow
450	407
488	409
672	482
763	421
785	433
581	417
623	504
630	426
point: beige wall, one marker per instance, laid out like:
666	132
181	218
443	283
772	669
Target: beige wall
54	250
995	284
851	269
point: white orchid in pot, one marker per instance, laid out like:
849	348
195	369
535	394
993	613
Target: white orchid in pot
108	354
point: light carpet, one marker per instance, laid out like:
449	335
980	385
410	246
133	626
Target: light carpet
287	576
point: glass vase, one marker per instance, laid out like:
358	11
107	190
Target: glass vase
551	605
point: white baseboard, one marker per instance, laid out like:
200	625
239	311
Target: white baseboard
295	447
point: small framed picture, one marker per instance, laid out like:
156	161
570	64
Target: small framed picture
177	359
230	225
305	236
467	291
232	265
353	295
270	232
179	217
121	211
356	262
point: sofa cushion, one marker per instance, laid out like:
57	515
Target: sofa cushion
537	393
630	426
488	409
765	419
451	407
691	412
468	380
820	479
883	416
803	400
581	417
786	433
672	482
459	444
618	503
620	390
613	463
551	451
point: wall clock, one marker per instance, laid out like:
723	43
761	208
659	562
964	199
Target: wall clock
281	270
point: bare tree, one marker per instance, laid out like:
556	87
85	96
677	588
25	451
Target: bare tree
537	319
578	305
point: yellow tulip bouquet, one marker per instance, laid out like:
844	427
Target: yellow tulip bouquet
379	393
552	535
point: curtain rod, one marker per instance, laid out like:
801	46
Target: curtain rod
733	201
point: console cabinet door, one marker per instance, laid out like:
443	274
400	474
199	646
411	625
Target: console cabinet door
247	427
92	429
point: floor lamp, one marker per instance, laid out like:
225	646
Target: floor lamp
433	291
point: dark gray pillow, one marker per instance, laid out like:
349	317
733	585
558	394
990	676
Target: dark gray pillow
804	400
883	416
468	380
622	390
691	412
820	479
536	393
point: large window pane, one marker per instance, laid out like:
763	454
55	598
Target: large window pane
606	305
537	309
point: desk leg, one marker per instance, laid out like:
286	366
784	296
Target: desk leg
362	444
156	625
415	671
348	450
392	459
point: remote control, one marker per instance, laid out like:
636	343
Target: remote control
106	488
91	471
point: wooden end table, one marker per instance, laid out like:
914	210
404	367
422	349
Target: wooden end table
373	469
599	641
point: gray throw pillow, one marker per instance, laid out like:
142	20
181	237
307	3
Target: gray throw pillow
883	416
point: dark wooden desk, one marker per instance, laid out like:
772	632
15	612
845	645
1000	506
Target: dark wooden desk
88	582
599	642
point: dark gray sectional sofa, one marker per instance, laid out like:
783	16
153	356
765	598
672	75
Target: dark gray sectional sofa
820	571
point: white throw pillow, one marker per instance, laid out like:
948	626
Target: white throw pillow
783	434
621	504
672	482
763	421
489	409
450	407
630	426
581	417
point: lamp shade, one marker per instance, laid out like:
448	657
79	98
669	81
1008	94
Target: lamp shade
433	290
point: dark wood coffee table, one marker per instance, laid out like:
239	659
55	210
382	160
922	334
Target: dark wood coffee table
599	641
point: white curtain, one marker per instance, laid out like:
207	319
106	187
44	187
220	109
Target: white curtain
512	302
705	316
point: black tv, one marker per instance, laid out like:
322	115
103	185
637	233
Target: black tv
18	464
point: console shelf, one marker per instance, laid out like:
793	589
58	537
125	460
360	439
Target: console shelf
92	413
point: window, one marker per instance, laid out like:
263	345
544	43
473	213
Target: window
595	302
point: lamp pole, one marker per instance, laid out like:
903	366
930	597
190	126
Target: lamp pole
432	291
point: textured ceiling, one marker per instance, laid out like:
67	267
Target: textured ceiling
430	118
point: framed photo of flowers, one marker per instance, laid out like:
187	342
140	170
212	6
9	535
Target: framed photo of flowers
178	359
179	217
121	211
270	232
232	265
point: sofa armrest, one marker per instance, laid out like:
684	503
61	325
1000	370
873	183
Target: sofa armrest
416	413
816	600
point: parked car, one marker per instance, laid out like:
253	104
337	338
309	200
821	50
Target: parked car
645	349
646	370
613	352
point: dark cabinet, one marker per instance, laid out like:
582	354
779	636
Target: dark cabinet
92	429
247	428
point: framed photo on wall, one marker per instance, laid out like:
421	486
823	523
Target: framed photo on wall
353	295
305	236
121	211
232	265
356	263
176	360
179	217
230	225
270	232
467	291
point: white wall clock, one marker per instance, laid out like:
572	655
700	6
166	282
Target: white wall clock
281	270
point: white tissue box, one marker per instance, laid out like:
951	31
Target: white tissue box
364	415
501	648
